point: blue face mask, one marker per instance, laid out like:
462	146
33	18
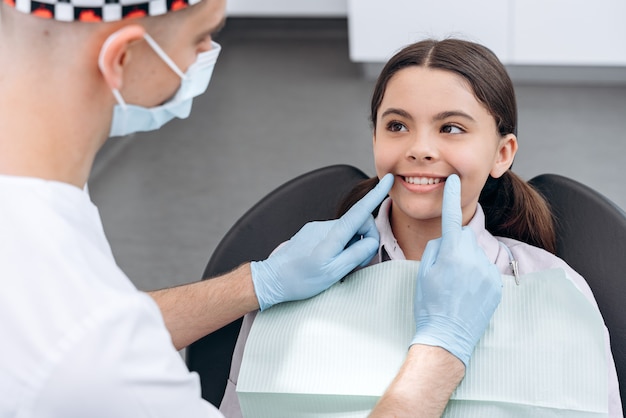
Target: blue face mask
128	118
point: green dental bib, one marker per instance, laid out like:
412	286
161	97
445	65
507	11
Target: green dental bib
334	355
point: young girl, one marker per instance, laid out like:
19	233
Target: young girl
441	108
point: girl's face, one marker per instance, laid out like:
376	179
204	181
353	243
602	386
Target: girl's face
430	125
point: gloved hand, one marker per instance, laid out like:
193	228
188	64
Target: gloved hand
458	288
320	253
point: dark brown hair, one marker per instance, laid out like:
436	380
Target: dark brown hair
512	207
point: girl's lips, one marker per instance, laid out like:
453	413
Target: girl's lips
422	184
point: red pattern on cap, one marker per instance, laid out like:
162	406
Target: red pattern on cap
89	16
43	12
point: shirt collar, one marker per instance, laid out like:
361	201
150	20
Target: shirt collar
388	248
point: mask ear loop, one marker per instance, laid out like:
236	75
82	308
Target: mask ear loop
105	46
155	47
159	51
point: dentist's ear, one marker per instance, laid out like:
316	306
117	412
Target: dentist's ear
115	54
507	148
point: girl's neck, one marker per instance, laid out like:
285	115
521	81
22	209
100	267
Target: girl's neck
413	234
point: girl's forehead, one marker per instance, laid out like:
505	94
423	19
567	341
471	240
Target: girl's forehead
424	78
438	87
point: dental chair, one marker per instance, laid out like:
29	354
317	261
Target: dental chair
591	238
591	233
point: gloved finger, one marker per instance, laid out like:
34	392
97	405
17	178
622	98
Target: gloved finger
451	214
368	229
430	255
354	218
353	240
346	227
358	254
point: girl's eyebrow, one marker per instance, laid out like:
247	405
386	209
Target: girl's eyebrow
399	112
438	117
452	113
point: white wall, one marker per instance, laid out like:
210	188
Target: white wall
572	32
287	8
378	29
520	32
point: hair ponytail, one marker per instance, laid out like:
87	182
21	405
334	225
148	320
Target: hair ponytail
514	209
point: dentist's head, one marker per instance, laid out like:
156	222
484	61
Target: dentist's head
111	68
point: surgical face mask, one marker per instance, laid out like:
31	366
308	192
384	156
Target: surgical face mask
128	118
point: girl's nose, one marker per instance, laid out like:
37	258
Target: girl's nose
422	148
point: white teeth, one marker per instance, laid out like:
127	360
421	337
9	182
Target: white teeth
422	180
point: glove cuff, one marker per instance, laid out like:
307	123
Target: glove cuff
442	336
260	275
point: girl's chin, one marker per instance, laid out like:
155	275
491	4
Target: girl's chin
419	214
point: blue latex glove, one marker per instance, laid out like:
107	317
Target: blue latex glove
320	253
458	288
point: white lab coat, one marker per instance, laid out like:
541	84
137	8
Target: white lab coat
77	338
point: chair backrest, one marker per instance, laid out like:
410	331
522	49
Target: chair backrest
591	238
273	220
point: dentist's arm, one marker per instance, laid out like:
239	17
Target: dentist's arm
423	386
457	291
314	259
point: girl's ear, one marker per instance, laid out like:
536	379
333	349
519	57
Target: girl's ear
115	54
505	155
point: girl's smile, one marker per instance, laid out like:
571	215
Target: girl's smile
421	183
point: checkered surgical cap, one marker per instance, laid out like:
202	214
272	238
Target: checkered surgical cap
97	10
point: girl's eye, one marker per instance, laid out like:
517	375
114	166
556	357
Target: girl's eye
451	129
396	127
